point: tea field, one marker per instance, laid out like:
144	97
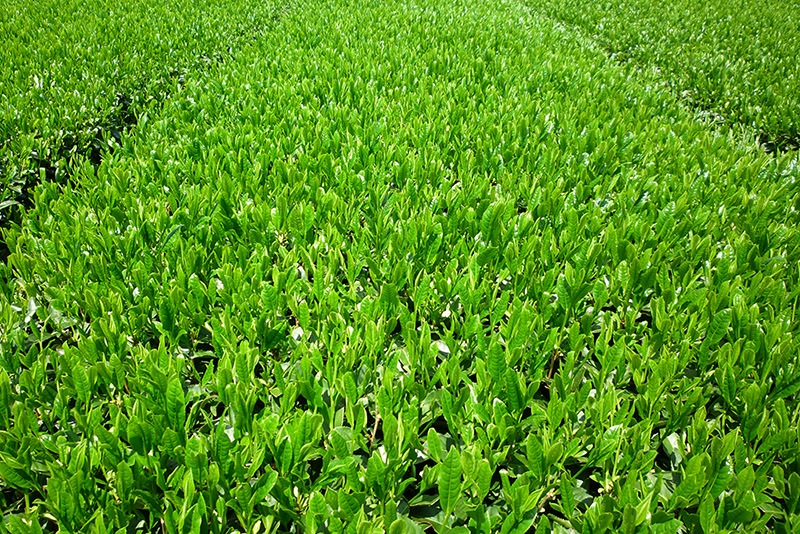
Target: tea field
735	61
401	266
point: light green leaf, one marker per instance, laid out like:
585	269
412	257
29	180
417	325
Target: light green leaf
124	481
176	405
721	480
496	361
449	481
317	505
535	455
398	526
12	477
434	445
223	447
269	297
718	327
563	292
727	385
483	478
513	392
375	472
81	380
706	512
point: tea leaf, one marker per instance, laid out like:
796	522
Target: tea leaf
449	481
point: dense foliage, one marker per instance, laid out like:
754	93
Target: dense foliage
407	266
75	74
735	60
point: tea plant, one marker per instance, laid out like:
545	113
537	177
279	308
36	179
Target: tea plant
407	266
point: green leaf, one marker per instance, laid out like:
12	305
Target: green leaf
496	361
398	526
389	295
706	513
673	526
483	478
176	405
563	293
349	504
81	381
745	480
554	453
793	492
513	392
16	525
350	388
727	385
434	445
487	223
12	477
196	518
375	473
340	439
449	481
544	526
721	479
718	327
693	479
223	446
317	505
567	496
166	314
269	297
535	455
124	481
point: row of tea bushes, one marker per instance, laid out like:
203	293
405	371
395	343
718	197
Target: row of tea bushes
735	60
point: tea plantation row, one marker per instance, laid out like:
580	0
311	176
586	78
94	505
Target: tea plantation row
75	75
407	266
734	60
